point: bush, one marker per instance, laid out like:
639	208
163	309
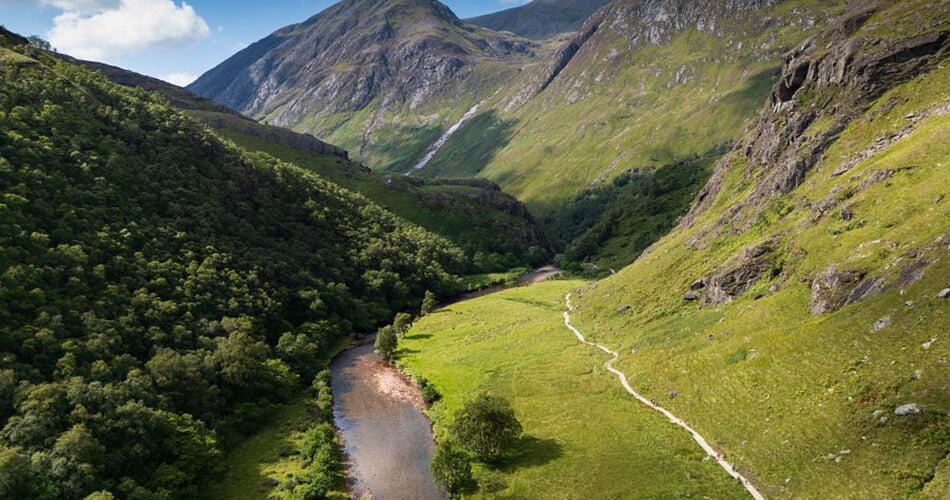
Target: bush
429	393
452	468
428	303
386	342
487	427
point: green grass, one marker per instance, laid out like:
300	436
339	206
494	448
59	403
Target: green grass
601	117
585	437
478	281
254	467
785	392
10	57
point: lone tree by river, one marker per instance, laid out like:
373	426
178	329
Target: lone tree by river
487	427
386	341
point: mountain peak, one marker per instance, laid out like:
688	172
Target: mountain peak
393	54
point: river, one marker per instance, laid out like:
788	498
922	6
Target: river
387	439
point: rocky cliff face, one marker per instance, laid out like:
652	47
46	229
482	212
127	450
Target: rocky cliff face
826	83
410	58
541	19
625	26
833	83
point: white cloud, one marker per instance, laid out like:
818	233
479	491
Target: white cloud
132	26
180	79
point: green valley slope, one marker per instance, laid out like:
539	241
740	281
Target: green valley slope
797	308
796	318
494	229
642	84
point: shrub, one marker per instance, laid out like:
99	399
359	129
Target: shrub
429	393
452	468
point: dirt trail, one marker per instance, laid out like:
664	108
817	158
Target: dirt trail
672	418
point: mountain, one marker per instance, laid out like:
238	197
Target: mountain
162	290
642	87
633	91
795	318
800	303
540	19
494	229
380	79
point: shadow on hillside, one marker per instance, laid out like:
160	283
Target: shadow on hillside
472	147
747	100
532	452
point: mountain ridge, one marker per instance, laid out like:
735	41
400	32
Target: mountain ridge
540	19
340	73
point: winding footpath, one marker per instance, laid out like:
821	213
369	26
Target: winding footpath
672	418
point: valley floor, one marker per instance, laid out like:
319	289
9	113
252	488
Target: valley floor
584	437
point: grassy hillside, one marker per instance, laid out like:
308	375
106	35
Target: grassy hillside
798	369
796	318
642	91
162	292
584	438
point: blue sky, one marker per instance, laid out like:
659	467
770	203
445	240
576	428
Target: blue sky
172	39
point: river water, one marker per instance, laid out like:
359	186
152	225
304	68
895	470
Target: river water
387	439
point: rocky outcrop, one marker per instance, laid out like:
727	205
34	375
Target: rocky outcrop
831	288
833	77
737	275
838	286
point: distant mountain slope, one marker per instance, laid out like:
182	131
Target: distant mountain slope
541	19
638	86
380	79
642	87
797	316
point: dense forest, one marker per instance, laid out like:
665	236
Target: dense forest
161	290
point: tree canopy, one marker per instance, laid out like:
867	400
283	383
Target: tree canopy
487	427
161	290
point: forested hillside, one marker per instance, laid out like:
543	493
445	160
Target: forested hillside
161	289
494	229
